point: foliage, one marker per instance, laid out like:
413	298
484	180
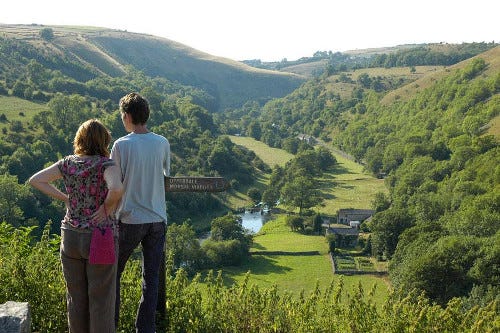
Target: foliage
296	187
331	240
438	162
254	194
30	271
242	307
47	34
229	242
429	55
296	223
184	248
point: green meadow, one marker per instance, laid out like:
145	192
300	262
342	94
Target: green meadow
270	156
17	109
346	186
303	261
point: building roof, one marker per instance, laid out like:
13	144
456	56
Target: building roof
344	231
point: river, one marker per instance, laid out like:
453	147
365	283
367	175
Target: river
253	221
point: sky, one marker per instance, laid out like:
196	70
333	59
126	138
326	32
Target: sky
272	30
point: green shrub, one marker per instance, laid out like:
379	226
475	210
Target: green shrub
30	271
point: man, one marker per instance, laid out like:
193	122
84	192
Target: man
144	161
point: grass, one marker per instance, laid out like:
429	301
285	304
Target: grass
17	109
347	186
494	128
345	89
492	57
270	156
296	273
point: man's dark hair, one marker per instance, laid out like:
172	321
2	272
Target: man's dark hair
136	106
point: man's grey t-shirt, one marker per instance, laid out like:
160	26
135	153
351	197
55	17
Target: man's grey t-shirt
144	160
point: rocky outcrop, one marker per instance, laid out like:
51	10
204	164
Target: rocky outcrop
15	317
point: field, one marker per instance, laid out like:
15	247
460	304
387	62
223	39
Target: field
16	109
303	260
347	186
270	156
295	270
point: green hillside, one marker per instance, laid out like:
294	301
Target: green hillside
492	57
100	51
431	132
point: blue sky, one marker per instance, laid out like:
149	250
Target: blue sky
271	30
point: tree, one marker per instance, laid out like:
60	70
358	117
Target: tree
386	227
365	80
68	112
317	223
11	195
254	130
228	227
47	34
442	270
254	194
296	223
331	239
301	193
183	245
325	158
380	202
229	242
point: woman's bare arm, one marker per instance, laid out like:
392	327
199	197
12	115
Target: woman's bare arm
42	181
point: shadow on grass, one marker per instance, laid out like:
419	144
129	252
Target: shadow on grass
256	265
340	170
327	195
264	264
343	185
258	246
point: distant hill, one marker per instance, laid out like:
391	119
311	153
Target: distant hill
108	52
433	54
492	57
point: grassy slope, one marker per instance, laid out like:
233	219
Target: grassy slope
296	273
345	89
270	156
347	186
492	57
494	128
12	107
108	51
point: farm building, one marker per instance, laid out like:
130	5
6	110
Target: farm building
345	216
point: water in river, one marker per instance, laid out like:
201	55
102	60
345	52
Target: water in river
253	221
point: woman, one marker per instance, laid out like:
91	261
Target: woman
93	190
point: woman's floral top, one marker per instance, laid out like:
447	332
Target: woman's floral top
85	186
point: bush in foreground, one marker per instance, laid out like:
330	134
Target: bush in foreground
30	271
